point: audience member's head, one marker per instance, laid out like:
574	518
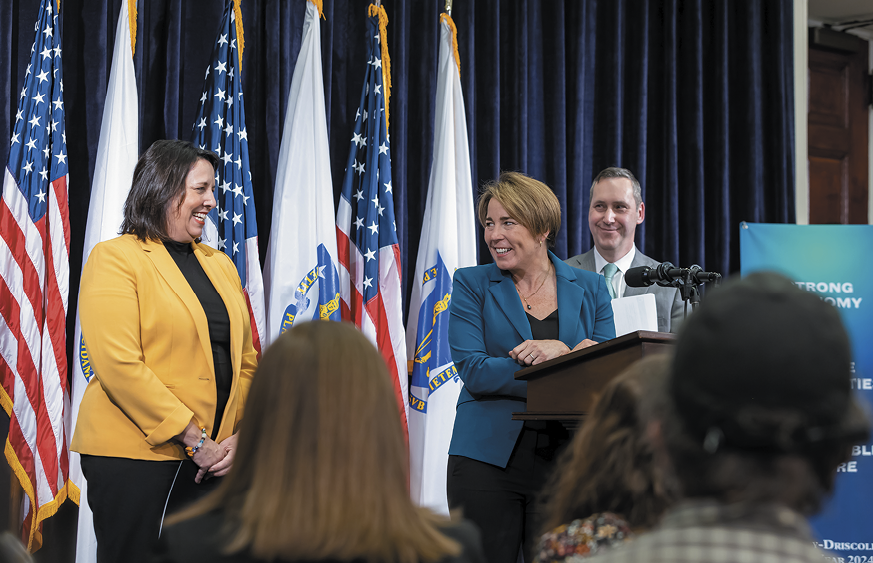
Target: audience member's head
760	390
609	466
321	467
12	550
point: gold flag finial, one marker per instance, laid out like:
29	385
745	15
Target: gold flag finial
378	10
319	4
131	19
451	23
240	36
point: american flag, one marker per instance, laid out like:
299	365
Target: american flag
366	231
221	128
34	283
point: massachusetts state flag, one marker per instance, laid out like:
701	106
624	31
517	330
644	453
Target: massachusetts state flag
448	242
221	128
366	232
117	153
34	284
301	273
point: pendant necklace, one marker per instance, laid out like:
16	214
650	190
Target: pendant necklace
534	293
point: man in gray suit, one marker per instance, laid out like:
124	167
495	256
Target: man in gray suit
616	209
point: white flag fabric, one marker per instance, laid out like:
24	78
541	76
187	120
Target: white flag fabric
448	242
117	153
300	275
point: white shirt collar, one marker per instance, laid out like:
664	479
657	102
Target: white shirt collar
623	264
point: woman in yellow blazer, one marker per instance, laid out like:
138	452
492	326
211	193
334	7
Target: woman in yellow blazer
168	333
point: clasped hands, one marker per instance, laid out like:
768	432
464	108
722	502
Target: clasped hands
213	459
533	352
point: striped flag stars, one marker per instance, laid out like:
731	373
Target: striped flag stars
34	282
370	256
220	124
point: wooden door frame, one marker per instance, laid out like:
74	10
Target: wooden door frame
801	25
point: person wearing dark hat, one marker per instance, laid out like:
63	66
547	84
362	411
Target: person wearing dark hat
760	416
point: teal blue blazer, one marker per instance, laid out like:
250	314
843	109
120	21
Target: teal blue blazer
486	321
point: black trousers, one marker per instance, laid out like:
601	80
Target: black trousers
129	498
504	503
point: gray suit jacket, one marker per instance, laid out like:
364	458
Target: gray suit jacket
671	308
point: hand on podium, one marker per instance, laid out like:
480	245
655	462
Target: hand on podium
584	344
533	352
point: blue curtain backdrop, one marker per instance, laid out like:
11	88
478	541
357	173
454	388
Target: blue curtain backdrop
696	97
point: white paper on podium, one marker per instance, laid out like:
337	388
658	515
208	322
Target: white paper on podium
634	313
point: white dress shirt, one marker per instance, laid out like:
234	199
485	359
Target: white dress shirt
623	264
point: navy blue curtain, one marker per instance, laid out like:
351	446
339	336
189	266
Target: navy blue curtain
694	96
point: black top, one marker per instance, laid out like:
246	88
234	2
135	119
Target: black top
217	319
200	539
546	329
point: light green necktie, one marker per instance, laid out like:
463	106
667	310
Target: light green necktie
609	272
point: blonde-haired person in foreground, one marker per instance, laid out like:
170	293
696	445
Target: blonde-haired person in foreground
607	486
321	469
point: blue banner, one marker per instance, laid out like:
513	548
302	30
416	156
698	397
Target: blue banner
832	261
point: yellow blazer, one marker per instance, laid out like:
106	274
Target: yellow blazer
148	342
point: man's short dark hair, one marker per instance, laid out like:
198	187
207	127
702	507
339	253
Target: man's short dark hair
159	177
616	172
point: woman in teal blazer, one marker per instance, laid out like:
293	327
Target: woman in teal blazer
526	308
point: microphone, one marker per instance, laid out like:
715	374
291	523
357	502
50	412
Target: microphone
698	276
663	274
667	275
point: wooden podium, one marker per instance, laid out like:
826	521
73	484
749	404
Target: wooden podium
565	388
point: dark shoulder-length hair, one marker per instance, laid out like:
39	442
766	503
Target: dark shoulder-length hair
320	470
158	179
610	465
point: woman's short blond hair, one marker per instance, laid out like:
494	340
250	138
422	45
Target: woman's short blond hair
530	202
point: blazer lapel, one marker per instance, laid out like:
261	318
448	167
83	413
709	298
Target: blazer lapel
504	292
176	280
586	261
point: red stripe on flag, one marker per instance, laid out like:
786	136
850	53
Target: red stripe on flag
46	442
60	188
16	242
33	385
376	311
342	247
342	250
25	368
55	313
256	338
10	312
